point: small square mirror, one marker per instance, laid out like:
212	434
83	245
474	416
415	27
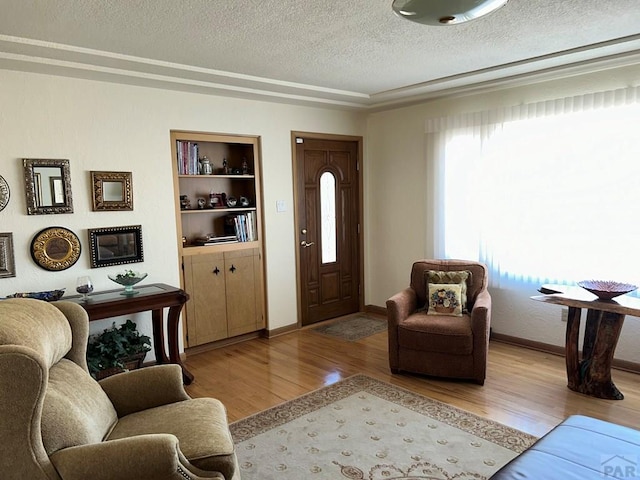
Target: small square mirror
112	191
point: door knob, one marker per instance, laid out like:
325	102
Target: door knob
306	245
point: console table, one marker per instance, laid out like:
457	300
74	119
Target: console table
591	375
154	297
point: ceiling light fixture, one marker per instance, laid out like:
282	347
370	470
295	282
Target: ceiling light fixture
445	12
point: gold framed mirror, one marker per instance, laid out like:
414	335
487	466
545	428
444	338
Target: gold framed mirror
55	248
112	191
47	185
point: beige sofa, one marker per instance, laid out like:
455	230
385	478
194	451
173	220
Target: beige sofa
57	422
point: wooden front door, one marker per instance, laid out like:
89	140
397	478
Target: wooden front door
328	213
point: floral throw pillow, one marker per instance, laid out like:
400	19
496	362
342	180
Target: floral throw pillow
462	277
445	299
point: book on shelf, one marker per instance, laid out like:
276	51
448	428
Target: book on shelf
243	226
187	158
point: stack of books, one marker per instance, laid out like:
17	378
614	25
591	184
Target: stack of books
213	240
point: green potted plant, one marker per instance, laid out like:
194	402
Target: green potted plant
116	349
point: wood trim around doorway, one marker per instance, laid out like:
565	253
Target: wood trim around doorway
294	160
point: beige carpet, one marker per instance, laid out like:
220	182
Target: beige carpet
363	428
353	328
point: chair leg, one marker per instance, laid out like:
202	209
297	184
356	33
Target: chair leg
395	370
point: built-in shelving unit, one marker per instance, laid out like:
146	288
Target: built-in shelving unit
220	242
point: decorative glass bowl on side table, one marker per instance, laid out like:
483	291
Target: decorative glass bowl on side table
606	289
127	279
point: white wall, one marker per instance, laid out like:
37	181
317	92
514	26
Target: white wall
397	208
103	126
110	127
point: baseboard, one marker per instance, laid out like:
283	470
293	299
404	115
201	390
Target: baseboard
222	343
625	365
282	330
375	310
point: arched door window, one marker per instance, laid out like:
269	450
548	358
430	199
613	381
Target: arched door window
328	213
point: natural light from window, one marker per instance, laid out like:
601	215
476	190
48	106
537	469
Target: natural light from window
555	198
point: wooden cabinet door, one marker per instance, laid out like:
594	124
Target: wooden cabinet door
242	292
204	278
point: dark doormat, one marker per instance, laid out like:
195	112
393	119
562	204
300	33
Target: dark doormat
353	328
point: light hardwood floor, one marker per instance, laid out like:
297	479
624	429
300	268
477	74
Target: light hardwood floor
524	389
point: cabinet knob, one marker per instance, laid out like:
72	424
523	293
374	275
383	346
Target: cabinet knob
233	268
216	270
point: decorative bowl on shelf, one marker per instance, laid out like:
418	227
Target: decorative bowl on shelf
48	296
606	289
127	279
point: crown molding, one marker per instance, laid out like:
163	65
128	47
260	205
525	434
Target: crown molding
37	56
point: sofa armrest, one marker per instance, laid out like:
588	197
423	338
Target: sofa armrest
480	327
145	388
401	305
481	311
145	457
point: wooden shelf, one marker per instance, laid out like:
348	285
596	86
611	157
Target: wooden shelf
219	210
215	175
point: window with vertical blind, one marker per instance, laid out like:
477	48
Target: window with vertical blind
545	192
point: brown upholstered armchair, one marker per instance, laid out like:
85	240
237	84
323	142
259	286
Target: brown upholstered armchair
57	422
440	345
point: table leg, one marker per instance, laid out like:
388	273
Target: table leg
591	332
571	348
597	378
157	323
174	351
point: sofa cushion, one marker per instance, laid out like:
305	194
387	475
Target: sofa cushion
445	299
199	424
76	411
436	333
461	277
580	447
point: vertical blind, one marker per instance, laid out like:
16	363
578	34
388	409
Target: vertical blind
543	192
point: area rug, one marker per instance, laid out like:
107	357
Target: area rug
362	428
353	328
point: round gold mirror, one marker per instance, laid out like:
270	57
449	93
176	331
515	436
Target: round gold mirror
55	248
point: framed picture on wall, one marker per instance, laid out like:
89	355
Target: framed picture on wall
7	261
115	245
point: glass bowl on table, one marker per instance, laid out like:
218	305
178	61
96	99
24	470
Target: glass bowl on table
127	279
606	289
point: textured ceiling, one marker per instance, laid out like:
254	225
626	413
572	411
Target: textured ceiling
352	54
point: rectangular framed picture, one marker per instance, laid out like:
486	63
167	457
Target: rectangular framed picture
7	260
115	245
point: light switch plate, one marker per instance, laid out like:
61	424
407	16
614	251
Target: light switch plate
281	206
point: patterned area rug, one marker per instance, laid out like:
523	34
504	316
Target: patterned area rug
363	428
353	328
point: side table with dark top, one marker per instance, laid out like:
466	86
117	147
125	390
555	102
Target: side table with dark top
154	297
591	375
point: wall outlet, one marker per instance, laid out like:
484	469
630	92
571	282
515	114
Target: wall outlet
564	315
